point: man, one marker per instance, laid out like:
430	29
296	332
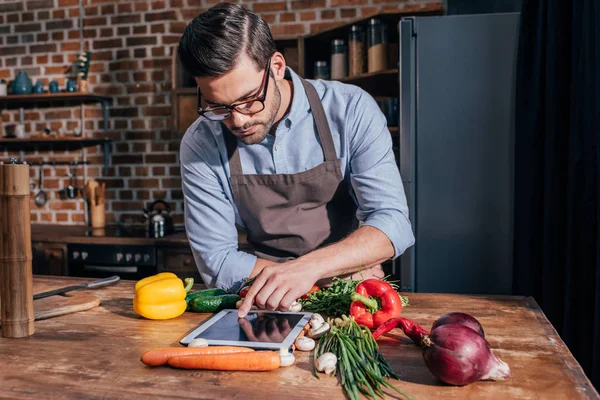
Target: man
294	163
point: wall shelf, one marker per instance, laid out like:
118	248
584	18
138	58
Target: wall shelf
66	143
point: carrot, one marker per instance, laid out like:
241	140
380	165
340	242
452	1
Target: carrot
158	357
256	361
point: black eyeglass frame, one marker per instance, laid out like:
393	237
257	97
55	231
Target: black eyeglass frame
264	85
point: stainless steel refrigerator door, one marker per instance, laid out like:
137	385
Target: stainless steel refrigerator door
456	150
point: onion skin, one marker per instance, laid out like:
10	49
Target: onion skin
459	318
458	355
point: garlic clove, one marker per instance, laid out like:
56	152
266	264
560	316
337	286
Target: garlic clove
199	342
304	343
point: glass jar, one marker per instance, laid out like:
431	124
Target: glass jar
339	59
321	70
377	42
357	53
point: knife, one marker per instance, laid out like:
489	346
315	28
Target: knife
89	285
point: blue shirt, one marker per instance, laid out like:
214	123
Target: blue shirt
364	148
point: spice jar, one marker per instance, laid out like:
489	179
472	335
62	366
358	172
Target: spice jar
339	59
321	70
377	42
357	51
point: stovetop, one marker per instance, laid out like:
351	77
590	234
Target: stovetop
121	231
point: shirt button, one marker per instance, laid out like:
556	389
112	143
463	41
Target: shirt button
276	148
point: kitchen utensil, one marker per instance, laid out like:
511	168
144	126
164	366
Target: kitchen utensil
16	276
54	306
41	197
89	285
160	222
71	190
90	192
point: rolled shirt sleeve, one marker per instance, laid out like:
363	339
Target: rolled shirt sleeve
210	219
374	175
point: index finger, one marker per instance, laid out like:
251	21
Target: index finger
249	299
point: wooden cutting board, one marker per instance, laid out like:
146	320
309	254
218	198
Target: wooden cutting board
53	306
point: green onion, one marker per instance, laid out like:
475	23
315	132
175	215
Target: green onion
361	368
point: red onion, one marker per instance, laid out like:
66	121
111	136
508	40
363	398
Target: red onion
455	351
458	355
459	318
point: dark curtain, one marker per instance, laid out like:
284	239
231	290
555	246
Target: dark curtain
557	170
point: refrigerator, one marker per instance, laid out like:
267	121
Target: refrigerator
456	106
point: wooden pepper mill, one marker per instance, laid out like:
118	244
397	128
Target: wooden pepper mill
16	274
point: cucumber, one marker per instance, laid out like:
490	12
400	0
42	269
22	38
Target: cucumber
214	303
203	293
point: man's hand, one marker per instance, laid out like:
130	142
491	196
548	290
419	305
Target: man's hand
279	285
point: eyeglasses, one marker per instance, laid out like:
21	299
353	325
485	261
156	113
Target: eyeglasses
246	107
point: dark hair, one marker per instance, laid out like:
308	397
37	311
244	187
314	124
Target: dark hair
213	41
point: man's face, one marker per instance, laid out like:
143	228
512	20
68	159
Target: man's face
245	82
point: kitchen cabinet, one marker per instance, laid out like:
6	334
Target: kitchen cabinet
49	258
178	260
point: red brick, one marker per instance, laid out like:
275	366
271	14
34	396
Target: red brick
107	32
122	76
74	12
96	21
120	124
123	112
46	217
327	14
141	6
141	101
9	51
42	59
125	19
271	6
368	11
170	39
73	35
309	4
141	41
56	70
107	9
143	183
5	73
127	159
124	101
57	58
140	76
139	147
58	14
21	28
62	114
124	8
42	37
171	183
288	17
38	4
158	5
138	124
291	29
11	7
63	205
123	65
123	53
139	53
269	18
157	110
42	15
90	33
107	44
63	24
157	28
58	36
142	171
10	18
43	48
177	27
161	16
68	3
348	13
140	29
69	46
158	76
157	63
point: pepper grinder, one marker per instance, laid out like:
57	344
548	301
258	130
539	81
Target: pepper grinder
16	273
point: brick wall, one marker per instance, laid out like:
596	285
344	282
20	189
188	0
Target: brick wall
132	43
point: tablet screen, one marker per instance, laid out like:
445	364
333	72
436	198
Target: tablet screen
256	327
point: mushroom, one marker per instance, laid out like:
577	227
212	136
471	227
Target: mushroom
326	363
316	333
285	357
304	343
316	320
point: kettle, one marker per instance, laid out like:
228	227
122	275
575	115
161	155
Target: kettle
160	222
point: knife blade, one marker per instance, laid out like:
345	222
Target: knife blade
89	285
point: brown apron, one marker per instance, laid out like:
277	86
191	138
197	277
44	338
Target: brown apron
289	215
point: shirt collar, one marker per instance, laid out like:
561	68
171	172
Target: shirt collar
300	106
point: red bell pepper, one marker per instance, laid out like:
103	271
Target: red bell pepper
366	299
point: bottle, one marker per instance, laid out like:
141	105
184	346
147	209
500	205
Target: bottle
321	70
377	42
339	59
357	51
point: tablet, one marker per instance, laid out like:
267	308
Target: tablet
260	329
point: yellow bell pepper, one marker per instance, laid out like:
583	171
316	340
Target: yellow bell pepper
161	296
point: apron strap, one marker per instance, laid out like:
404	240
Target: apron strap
321	120
235	164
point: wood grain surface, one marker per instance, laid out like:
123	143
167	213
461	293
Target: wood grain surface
67	303
96	354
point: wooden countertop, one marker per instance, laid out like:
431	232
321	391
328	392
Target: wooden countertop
80	234
96	353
